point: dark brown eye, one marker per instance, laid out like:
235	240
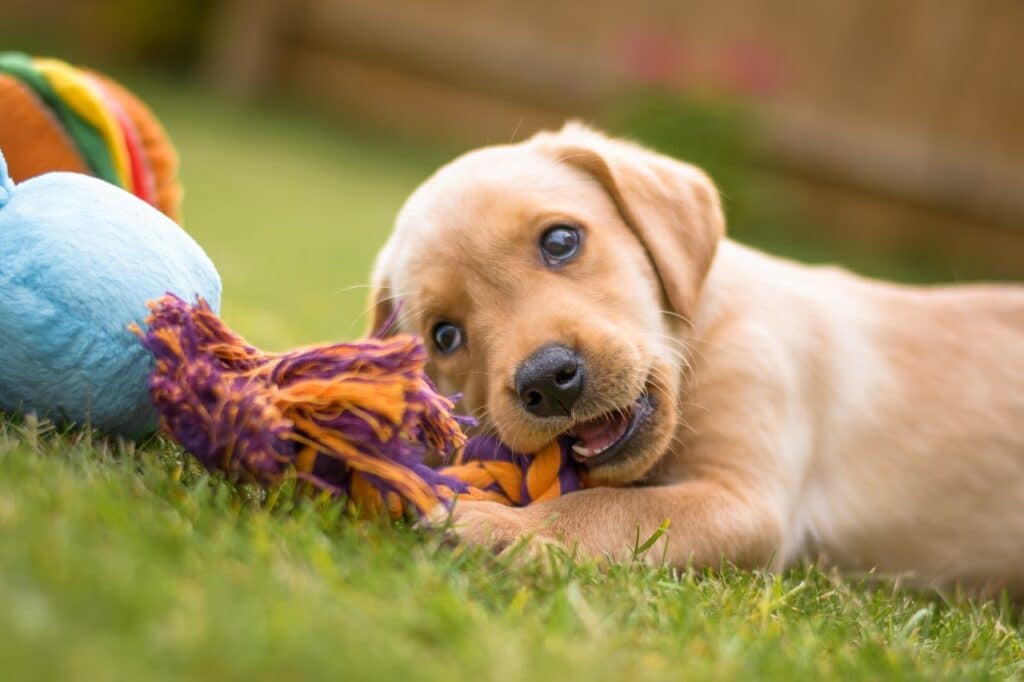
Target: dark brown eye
559	243
447	337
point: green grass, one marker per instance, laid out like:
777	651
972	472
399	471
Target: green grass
127	562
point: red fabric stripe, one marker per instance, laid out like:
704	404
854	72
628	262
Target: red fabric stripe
142	174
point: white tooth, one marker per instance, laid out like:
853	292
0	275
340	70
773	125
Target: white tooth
580	450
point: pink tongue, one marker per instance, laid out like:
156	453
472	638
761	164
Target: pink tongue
598	434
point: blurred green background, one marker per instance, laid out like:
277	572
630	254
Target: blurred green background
302	126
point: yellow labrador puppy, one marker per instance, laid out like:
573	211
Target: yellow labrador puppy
769	411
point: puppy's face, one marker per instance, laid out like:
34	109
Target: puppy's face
551	281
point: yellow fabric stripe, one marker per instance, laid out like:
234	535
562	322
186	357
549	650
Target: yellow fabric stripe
76	91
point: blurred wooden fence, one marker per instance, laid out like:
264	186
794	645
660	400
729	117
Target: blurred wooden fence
915	104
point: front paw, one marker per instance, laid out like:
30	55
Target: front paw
495	526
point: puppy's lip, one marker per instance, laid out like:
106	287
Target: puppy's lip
610	433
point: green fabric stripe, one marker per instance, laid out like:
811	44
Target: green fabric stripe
87	139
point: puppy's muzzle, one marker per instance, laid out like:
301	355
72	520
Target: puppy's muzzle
550	381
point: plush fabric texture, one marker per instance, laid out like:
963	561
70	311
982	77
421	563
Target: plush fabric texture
92	125
76	91
143	183
159	155
31	133
352	419
79	258
88	140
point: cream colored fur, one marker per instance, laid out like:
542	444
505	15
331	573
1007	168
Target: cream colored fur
804	412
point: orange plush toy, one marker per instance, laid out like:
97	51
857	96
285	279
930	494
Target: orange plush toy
56	117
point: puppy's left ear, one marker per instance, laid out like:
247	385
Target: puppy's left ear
672	207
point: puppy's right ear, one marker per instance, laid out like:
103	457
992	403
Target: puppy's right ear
381	305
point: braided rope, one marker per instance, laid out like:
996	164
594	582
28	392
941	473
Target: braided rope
352	419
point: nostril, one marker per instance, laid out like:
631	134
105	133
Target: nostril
565	376
533	398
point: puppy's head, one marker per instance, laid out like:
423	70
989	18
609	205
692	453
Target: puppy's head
553	281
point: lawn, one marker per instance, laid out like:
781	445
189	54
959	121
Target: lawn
127	562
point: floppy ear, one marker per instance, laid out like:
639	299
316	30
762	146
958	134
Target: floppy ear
381	304
672	207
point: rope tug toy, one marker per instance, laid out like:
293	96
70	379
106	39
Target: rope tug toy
352	419
56	117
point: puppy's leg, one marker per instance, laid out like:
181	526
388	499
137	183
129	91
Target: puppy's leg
706	524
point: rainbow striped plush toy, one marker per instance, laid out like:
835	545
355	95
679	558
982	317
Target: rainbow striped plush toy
352	419
56	117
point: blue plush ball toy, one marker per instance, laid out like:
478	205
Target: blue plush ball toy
79	259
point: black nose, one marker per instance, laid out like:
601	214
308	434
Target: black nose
549	381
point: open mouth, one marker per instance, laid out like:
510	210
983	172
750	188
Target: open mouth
599	440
